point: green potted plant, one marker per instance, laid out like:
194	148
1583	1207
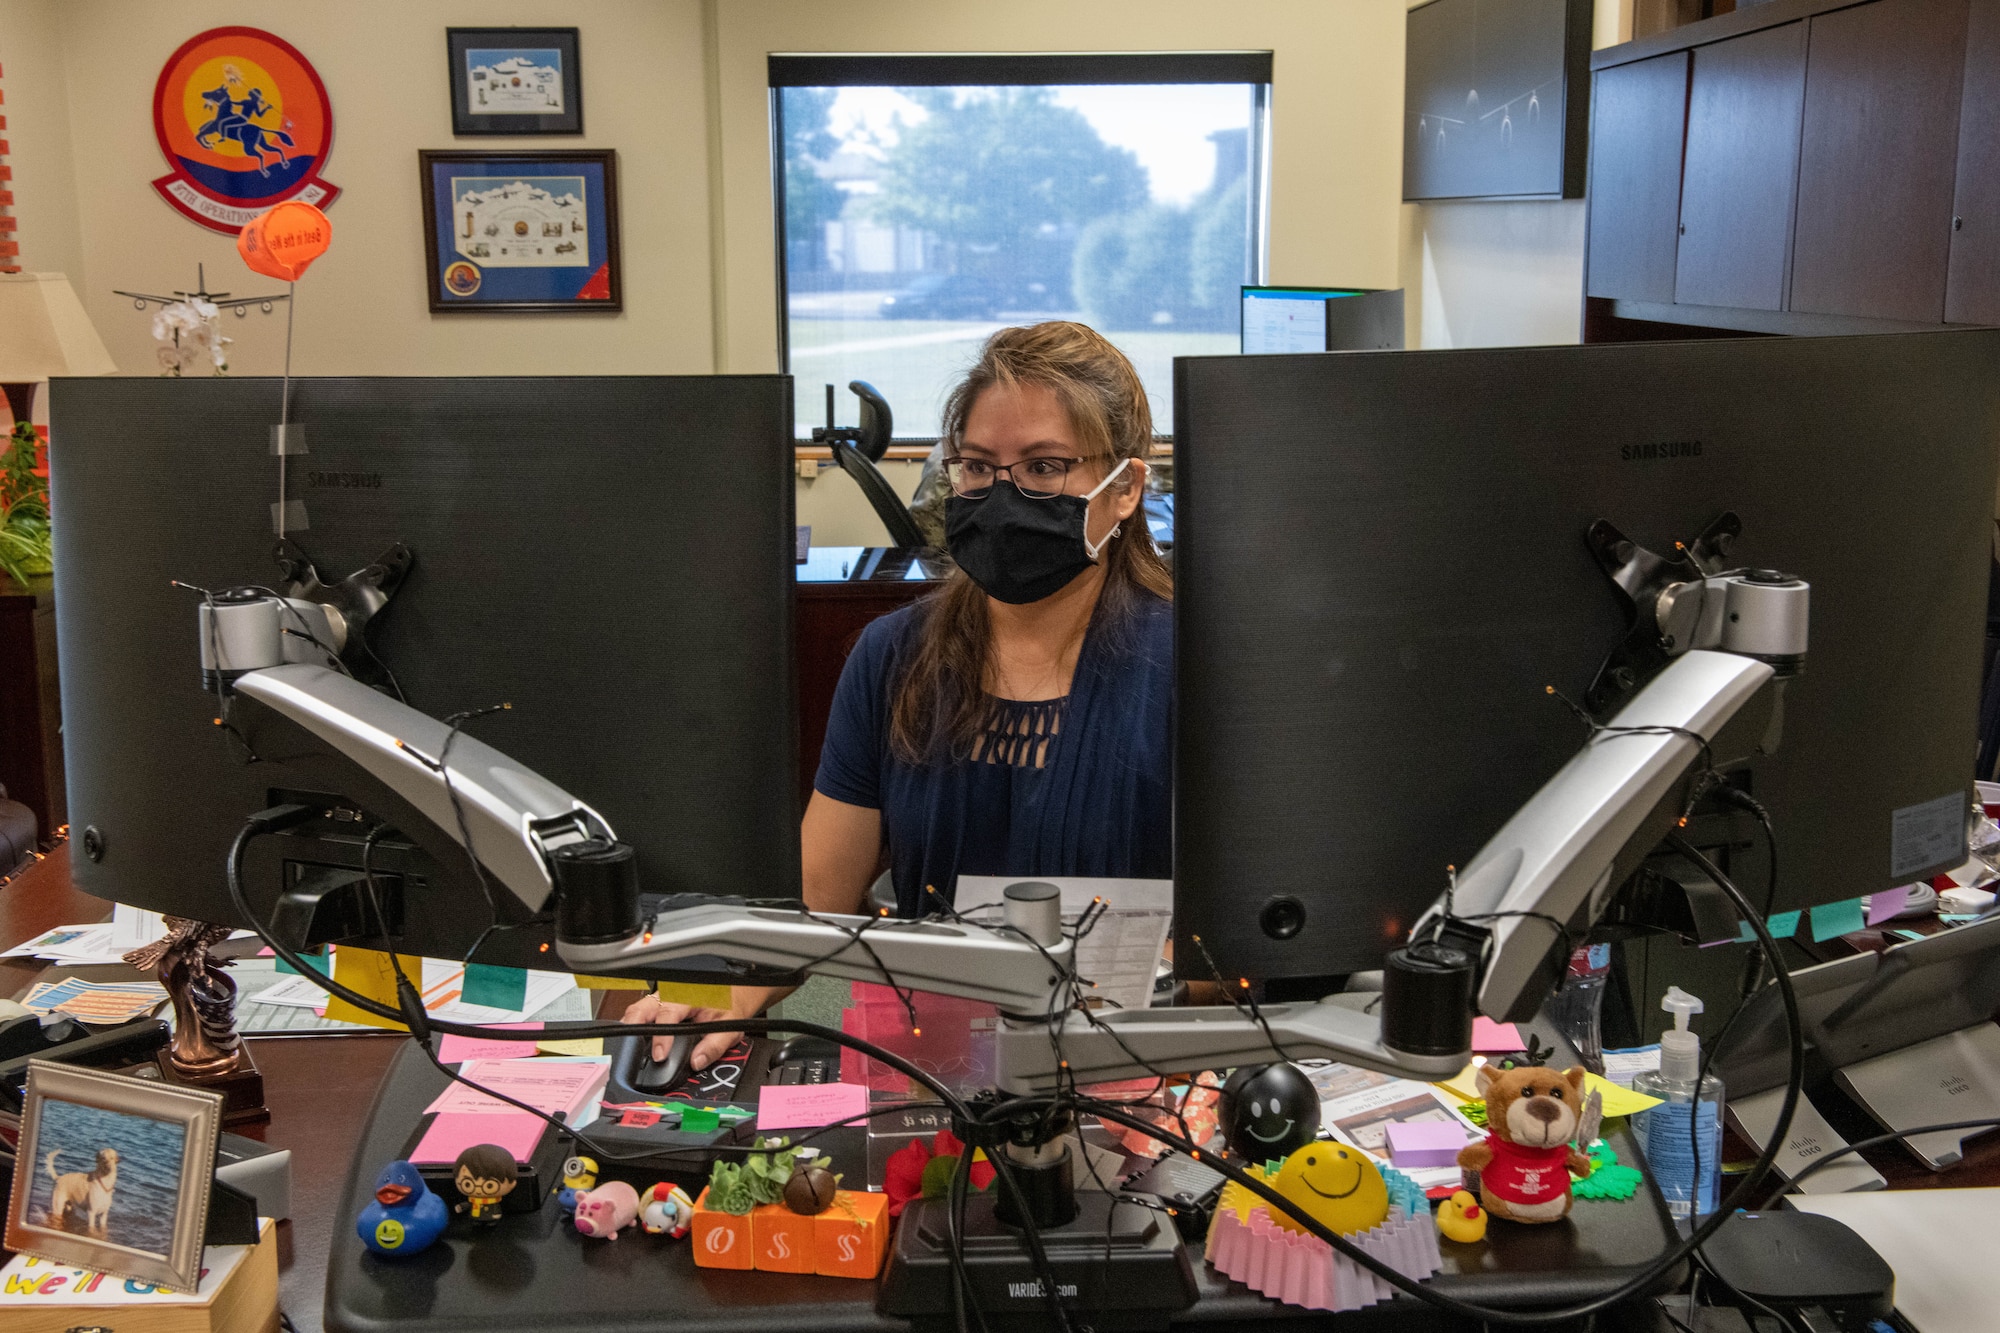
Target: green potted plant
27	553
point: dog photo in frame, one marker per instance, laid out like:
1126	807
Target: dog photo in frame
114	1173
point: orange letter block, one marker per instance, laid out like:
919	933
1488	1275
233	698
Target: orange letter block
721	1240
851	1238
781	1239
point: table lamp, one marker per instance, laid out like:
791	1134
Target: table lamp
44	332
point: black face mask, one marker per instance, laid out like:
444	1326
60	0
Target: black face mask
1021	550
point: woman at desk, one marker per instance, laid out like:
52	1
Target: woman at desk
1018	721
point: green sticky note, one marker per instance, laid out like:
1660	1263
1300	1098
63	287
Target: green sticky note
1744	934
1832	919
1783	926
495	987
700	1120
315	959
732	1115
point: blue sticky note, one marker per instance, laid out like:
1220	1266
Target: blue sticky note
1842	918
495	987
315	959
1783	926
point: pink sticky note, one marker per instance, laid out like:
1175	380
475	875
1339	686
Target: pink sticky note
455	1049
1882	906
450	1135
809	1105
1488	1035
1424	1143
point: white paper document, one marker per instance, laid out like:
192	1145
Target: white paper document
1357	1106
1122	952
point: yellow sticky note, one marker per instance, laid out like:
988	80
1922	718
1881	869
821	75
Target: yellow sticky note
368	972
1617	1100
579	1046
609	983
695	997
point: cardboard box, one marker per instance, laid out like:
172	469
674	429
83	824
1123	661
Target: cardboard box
781	1241
851	1238
246	1301
721	1240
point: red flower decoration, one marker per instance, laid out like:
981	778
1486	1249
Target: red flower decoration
903	1175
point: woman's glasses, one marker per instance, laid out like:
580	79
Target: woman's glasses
1036	478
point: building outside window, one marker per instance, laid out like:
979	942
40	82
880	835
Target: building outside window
925	201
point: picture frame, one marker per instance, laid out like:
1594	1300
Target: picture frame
526	230
515	81
114	1173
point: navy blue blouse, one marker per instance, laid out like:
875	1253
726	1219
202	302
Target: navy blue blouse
1081	785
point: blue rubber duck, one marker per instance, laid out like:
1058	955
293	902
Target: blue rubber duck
405	1218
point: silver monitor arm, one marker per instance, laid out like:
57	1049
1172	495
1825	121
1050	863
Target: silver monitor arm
1556	860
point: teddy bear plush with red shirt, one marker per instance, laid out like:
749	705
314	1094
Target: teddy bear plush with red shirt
1533	1117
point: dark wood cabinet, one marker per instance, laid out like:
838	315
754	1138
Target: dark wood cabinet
1840	173
1742	164
1877	156
1635	177
1972	289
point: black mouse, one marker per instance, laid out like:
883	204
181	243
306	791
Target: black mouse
633	1065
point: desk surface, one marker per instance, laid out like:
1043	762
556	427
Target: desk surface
531	1271
320	1091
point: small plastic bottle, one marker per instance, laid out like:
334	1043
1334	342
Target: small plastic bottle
1687	1166
1577	1008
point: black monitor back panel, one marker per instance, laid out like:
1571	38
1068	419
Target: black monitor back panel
613	556
1382	565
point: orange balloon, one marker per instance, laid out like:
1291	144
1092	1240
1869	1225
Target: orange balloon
283	240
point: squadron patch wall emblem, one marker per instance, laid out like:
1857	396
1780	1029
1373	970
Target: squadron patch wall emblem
244	122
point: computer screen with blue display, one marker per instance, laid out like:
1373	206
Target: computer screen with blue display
1286	319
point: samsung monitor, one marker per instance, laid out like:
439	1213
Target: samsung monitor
611	556
1382	568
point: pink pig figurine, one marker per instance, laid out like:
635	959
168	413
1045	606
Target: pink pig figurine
607	1210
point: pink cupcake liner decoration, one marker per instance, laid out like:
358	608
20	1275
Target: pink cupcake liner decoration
1303	1270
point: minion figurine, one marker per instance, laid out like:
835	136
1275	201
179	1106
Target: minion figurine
485	1176
579	1176
405	1217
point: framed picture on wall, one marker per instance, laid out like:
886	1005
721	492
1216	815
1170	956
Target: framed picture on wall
515	81
524	230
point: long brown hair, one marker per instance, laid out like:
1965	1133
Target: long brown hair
940	703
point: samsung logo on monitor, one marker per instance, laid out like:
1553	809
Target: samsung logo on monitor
1636	453
346	481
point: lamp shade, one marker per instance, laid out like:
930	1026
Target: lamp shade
44	332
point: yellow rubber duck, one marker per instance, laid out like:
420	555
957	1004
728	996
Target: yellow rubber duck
1339	1186
1460	1218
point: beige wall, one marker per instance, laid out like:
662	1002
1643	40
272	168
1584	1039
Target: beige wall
679	88
362	309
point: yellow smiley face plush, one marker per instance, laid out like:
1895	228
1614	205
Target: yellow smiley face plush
1337	1185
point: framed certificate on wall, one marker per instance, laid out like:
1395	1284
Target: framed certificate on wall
515	81
524	230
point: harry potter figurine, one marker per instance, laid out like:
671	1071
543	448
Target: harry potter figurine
485	1176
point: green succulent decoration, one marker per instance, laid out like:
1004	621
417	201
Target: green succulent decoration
26	549
737	1187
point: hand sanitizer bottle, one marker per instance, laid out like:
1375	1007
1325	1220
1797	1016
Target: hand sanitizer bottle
1682	1137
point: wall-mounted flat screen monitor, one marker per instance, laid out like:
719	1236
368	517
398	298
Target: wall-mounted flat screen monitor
1496	99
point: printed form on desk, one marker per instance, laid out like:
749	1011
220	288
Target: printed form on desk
1121	953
